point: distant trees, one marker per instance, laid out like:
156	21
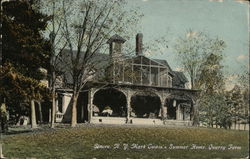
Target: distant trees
238	99
244	85
214	110
24	52
201	56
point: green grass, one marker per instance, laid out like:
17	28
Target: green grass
80	142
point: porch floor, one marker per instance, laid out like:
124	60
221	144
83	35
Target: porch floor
139	121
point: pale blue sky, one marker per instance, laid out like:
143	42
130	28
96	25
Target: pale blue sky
226	19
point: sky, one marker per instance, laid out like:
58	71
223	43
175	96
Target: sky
225	19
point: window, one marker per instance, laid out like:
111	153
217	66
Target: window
169	81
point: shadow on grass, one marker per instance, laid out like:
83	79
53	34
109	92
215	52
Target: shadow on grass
16	132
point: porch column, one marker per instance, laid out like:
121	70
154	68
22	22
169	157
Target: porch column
163	109
178	112
128	105
183	113
57	107
64	107
90	103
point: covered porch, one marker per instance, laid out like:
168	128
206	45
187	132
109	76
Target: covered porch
127	104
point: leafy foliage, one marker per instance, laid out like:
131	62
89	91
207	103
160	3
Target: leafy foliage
17	85
214	110
211	78
201	56
18	89
238	109
244	86
23	44
193	51
25	51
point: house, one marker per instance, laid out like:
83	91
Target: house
136	90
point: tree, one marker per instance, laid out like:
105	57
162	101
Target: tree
23	45
236	101
54	10
16	86
86	27
193	51
65	26
200	56
24	49
214	110
211	78
211	82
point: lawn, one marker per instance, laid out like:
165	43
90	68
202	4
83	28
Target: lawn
128	142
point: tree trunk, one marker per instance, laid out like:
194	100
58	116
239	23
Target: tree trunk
192	82
53	108
74	109
82	114
33	114
195	114
40	112
211	120
3	117
235	123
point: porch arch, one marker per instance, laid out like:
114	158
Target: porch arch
110	99
145	104
179	106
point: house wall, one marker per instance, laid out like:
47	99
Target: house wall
141	71
66	101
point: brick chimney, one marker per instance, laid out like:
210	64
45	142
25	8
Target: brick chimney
139	46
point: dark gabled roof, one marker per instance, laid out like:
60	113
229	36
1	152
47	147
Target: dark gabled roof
102	61
116	38
179	80
164	62
181	76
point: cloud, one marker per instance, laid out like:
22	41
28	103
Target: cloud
145	0
216	1
231	77
148	53
241	1
191	34
241	57
179	69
